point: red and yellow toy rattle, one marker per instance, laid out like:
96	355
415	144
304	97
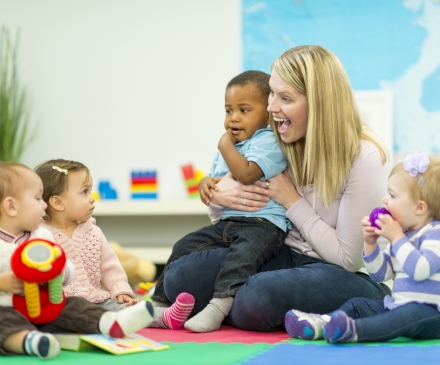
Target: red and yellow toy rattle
39	263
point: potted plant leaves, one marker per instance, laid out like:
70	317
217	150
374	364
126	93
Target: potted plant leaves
15	133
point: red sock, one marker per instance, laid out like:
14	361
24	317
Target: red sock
175	316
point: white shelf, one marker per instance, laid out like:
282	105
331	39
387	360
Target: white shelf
150	227
149	208
157	255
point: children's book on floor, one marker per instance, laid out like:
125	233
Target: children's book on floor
117	346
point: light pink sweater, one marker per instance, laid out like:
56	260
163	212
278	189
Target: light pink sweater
98	271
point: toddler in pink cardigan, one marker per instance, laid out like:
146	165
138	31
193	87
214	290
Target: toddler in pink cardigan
99	276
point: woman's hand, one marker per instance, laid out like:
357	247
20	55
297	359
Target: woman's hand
281	189
232	194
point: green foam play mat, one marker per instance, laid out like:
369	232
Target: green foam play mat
230	346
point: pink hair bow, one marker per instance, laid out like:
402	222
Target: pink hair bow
416	163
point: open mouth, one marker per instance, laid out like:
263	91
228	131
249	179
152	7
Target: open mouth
236	130
283	124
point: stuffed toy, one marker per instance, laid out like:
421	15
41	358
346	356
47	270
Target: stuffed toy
39	263
137	270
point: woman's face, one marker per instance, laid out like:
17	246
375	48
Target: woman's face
289	109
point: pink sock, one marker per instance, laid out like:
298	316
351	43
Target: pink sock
175	316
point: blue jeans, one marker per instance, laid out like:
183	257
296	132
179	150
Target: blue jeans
249	243
376	323
289	280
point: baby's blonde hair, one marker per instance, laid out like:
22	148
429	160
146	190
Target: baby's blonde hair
424	186
54	181
12	179
334	127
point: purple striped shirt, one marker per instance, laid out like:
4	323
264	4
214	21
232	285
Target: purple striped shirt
414	264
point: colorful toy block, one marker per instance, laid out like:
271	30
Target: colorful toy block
106	191
192	179
144	184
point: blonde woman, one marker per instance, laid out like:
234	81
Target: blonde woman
336	175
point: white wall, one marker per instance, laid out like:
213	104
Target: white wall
122	85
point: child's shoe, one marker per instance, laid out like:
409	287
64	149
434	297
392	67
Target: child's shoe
307	326
43	345
341	328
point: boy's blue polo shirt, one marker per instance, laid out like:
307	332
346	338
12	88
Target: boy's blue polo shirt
263	149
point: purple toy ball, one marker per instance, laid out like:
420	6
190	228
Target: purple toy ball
375	215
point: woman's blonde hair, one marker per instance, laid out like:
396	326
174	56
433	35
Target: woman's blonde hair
424	186
55	181
334	129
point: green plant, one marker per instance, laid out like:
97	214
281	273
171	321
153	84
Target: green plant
15	132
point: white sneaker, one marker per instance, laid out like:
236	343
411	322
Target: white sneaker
307	326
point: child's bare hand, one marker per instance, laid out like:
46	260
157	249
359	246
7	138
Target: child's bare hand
226	137
124	298
205	186
389	228
370	236
9	283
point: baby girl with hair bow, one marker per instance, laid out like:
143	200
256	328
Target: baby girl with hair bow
99	275
412	259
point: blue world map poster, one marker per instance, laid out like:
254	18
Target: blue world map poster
389	45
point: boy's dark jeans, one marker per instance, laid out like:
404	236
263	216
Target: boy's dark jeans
251	243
